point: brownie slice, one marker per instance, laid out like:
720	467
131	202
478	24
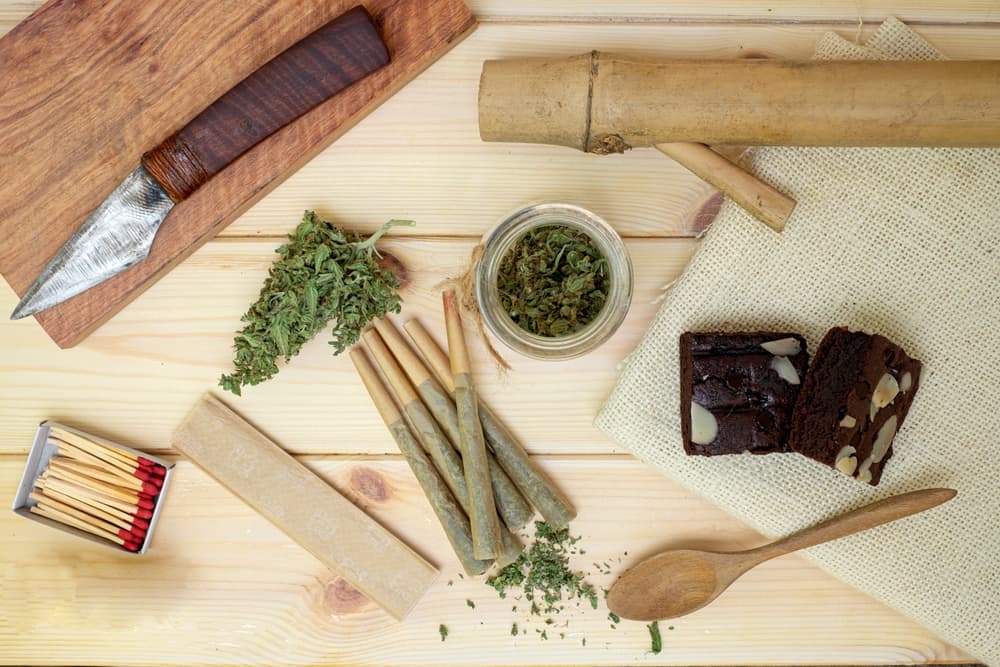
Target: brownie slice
855	398
738	390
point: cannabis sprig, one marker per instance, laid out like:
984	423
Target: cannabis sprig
323	273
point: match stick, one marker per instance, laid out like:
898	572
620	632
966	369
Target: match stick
102	475
99	456
95	447
47	503
486	539
89	495
106	489
67	520
97	512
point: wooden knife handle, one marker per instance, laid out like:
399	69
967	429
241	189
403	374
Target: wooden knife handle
283	89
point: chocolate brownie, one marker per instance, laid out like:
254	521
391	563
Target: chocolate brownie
855	398
738	390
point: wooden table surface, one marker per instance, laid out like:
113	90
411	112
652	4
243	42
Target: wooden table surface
222	586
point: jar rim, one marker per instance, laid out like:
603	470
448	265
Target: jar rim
499	240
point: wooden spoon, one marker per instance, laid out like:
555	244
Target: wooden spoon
680	581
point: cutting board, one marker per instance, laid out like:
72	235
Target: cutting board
87	86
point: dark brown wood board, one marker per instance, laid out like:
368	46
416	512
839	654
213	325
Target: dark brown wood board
88	86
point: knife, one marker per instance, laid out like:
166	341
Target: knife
120	232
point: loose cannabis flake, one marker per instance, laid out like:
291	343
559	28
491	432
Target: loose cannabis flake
553	281
470	604
654	636
443	631
542	575
323	273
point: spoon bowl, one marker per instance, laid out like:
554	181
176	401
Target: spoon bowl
677	582
667	585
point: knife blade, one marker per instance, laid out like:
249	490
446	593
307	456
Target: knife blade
121	231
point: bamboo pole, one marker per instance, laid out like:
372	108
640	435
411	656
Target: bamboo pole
607	103
453	520
536	486
511	503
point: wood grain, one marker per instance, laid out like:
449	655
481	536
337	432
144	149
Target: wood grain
221	585
844	12
160	65
135	379
399	160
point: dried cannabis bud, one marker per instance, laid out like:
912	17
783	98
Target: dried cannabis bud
323	274
554	281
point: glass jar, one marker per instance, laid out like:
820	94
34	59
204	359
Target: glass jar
499	241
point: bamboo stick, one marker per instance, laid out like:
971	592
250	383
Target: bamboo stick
767	204
607	103
482	514
449	514
536	486
65	519
514	508
429	434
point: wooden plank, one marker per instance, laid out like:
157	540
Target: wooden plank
221	585
135	378
305	508
418	158
173	62
848	12
414	153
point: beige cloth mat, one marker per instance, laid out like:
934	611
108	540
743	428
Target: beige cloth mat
901	242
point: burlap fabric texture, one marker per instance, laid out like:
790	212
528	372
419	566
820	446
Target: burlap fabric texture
900	242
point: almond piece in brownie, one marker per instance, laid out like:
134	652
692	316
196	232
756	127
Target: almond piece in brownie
738	390
854	400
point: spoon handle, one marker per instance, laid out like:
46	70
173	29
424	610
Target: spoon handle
860	519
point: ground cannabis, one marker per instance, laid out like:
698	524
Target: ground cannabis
554	281
323	273
654	636
542	575
443	631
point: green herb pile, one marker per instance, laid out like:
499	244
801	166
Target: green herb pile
541	574
554	281
323	273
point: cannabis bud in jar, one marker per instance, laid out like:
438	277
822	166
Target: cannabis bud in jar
554	281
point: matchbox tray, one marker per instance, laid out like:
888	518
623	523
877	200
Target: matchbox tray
38	460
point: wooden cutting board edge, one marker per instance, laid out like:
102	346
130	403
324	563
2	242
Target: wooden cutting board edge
69	323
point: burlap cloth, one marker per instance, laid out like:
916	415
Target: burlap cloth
901	242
